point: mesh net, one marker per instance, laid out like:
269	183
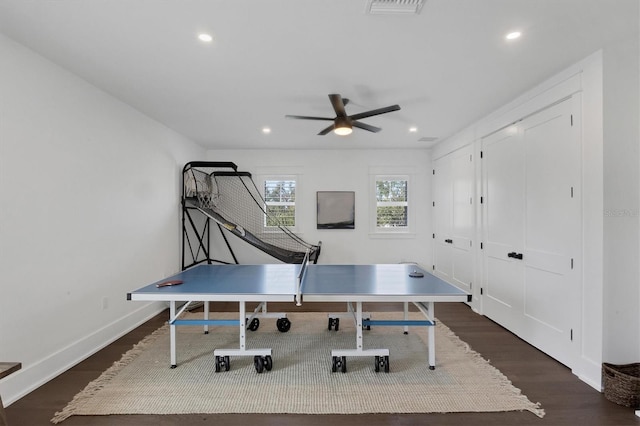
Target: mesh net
234	201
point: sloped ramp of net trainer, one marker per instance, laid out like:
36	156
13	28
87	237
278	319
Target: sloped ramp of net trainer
233	201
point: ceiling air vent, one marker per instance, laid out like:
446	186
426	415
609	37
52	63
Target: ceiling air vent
394	7
427	139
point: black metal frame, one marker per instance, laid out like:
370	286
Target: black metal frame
200	250
202	235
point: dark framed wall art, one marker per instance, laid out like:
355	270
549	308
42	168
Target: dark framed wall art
336	209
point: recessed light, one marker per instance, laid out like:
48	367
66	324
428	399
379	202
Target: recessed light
207	38
413	129
513	35
266	130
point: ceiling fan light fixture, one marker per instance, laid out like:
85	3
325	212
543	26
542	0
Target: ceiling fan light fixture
343	131
342	126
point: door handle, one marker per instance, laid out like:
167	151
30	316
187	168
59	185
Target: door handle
448	241
515	255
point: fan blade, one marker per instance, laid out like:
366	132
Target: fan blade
327	130
304	117
338	105
365	126
374	112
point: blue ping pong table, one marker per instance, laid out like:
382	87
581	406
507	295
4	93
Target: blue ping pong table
353	284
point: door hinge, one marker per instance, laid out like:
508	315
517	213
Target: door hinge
572	192
470	200
481	291
572	263
434	204
481	246
434	235
481	200
470	157
433	267
481	154
571	335
434	171
470	243
572	120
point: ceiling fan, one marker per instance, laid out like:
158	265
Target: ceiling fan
342	123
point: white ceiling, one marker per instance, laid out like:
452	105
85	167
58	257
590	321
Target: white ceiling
446	67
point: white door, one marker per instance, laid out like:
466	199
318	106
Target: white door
503	218
462	218
552	229
442	195
532	225
454	218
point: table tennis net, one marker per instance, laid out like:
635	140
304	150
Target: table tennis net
232	199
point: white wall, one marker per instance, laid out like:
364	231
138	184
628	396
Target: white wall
621	203
327	170
89	211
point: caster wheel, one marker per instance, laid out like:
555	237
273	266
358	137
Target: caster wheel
268	363
376	364
386	364
254	324
258	363
339	363
334	323
222	362
283	324
365	325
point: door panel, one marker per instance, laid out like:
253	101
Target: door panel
462	218
537	306
442	215
454	218
531	176
503	181
552	218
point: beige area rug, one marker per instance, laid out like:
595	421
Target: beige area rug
301	380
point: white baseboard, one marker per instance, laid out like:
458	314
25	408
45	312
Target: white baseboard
590	372
33	376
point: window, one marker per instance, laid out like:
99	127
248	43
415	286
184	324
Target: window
391	210
392	203
280	200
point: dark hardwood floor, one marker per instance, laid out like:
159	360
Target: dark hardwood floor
566	400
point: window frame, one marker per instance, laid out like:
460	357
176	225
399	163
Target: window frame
296	204
392	231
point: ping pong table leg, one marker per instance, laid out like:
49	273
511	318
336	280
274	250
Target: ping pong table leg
243	326
431	336
406	317
172	332
206	317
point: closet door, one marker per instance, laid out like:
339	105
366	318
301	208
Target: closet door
532	226
462	218
442	195
503	218
552	229
454	218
